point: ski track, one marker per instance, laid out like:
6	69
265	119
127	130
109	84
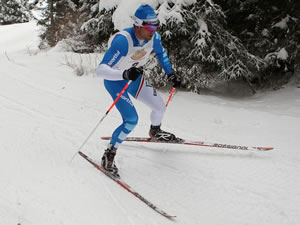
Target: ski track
236	183
107	184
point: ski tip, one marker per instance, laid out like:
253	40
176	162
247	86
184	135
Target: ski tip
172	218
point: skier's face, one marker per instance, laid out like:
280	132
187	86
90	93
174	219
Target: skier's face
145	32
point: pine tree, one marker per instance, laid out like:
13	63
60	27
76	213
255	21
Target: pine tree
12	11
97	25
59	21
200	47
269	29
203	39
80	23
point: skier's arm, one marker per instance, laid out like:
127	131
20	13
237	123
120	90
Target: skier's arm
117	50
165	62
161	54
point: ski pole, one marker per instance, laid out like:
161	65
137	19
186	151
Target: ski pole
88	137
170	96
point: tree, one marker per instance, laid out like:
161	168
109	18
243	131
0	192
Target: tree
58	22
79	23
269	29
203	39
12	11
96	26
200	47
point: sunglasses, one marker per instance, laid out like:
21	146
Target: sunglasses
150	28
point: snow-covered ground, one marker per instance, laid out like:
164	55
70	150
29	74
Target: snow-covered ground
46	112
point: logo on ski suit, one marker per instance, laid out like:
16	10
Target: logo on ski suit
138	55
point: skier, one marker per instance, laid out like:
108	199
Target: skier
128	51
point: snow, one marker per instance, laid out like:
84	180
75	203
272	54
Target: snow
283	54
122	16
108	4
283	23
47	112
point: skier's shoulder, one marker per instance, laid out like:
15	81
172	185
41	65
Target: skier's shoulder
156	36
119	42
123	35
118	39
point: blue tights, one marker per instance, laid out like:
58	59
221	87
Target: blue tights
125	107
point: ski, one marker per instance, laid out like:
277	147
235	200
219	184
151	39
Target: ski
195	143
126	187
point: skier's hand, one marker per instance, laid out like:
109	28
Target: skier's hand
132	73
175	80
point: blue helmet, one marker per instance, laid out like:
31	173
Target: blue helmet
145	15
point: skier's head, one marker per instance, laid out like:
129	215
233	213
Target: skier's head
146	17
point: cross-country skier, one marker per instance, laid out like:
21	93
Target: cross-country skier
128	51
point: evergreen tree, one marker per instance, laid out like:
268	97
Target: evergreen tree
80	23
269	29
58	22
12	11
85	41
202	51
207	40
97	26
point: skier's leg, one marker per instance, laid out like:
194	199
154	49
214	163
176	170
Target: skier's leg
149	96
126	109
130	118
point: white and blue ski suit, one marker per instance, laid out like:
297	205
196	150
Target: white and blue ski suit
125	51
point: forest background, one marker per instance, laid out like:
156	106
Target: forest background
209	42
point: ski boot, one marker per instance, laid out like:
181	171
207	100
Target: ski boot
107	161
159	135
